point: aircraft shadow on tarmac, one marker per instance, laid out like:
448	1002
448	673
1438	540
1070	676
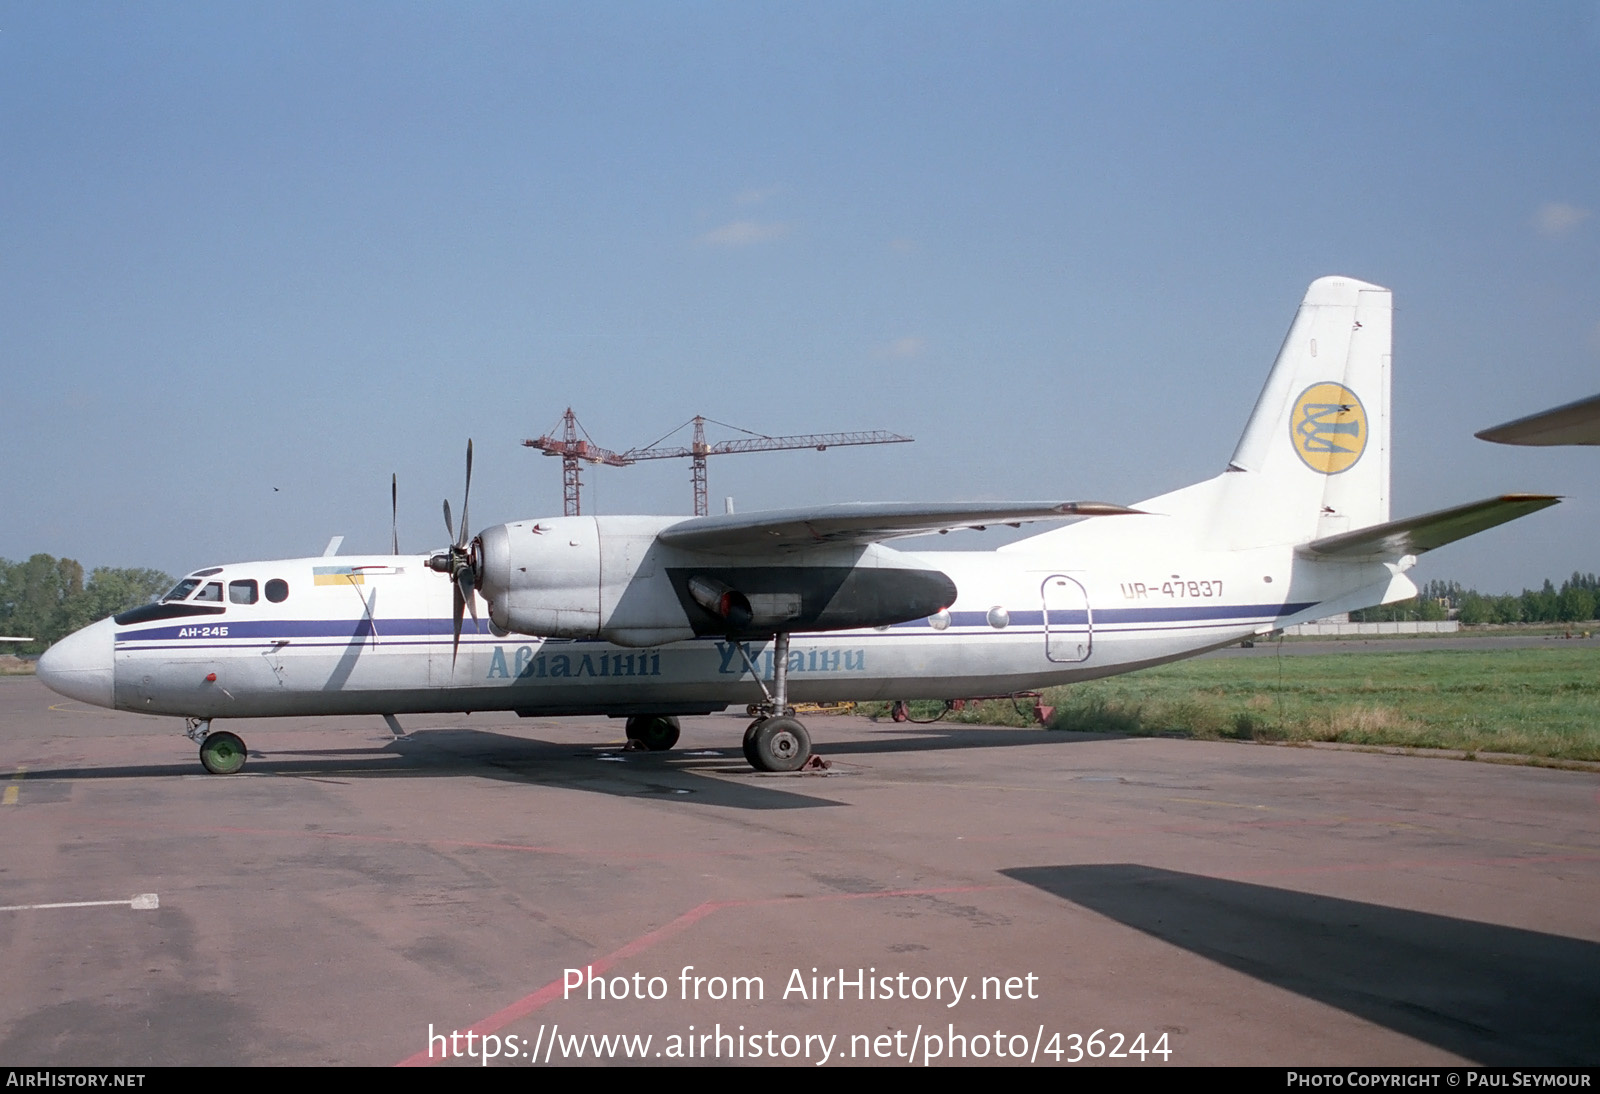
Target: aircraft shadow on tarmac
682	775
892	737
472	752
1495	995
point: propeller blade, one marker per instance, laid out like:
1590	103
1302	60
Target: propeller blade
450	529
466	496
394	509
464	590
455	646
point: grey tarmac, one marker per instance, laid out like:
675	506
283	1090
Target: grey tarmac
1238	903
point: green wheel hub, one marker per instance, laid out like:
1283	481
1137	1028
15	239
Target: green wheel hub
222	753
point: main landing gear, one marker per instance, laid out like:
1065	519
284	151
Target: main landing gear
776	740
221	752
656	732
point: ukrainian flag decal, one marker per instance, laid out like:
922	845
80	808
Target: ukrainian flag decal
1328	428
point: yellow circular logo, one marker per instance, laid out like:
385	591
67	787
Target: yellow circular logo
1328	428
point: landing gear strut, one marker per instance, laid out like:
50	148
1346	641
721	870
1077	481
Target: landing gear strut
657	732
776	741
221	752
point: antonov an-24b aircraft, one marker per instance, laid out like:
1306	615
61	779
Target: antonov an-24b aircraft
649	618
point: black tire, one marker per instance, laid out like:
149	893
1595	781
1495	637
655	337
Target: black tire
657	732
750	743
222	753
778	744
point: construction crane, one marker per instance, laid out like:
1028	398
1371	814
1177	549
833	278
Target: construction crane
698	450
572	449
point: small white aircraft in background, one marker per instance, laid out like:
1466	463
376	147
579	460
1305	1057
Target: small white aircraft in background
650	617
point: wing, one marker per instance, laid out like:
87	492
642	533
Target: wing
1573	423
1415	535
863	522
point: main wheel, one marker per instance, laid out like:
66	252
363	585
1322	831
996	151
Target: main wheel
750	743
657	732
778	744
222	753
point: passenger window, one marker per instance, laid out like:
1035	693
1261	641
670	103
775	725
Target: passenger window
277	590
242	592
212	593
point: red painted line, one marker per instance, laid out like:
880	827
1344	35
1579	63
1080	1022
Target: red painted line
556	988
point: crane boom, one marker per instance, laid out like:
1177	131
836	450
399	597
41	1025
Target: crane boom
574	449
698	450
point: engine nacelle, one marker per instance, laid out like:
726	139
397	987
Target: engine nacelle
610	578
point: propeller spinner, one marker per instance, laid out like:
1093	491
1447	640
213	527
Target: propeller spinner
459	562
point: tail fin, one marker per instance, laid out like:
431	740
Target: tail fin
1316	449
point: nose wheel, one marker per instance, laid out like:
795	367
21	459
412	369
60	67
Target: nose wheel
221	753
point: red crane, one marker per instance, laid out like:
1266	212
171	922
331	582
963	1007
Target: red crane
698	450
572	449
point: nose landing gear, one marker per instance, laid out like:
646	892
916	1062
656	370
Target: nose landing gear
221	752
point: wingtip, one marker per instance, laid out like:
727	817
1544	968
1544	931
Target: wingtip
1096	509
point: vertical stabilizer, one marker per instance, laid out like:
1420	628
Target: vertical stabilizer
1314	457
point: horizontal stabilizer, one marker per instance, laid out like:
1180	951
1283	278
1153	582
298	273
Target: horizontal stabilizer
864	522
1415	535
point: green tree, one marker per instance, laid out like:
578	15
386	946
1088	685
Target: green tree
1539	607
46	598
34	596
1574	604
1475	608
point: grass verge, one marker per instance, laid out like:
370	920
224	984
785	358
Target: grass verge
1536	702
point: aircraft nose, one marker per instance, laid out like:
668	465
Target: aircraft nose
81	666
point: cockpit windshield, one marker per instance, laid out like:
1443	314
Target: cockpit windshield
182	589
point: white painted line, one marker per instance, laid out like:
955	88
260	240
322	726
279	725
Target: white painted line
144	902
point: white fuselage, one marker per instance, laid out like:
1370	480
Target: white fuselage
377	638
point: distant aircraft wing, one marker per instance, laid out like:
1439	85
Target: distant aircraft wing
863	522
1415	535
1574	423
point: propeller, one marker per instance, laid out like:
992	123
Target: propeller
394	509
458	562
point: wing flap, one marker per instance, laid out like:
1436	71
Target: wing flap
863	522
1415	535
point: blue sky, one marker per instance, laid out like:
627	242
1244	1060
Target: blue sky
256	258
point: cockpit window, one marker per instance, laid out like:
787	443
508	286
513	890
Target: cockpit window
242	592
277	590
211	594
182	589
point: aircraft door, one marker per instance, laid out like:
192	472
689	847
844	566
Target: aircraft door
1068	620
